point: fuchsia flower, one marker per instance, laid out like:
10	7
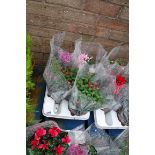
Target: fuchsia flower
83	59
59	150
41	132
120	81
54	132
36	137
65	57
66	140
43	146
34	143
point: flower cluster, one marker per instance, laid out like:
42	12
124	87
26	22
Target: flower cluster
52	141
65	57
83	59
120	81
77	150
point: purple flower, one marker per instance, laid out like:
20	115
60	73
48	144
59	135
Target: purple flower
65	57
77	150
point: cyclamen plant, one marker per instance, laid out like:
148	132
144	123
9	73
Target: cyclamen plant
50	141
64	56
89	89
83	59
70	74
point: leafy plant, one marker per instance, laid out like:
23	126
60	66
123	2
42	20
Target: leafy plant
29	71
92	150
70	74
88	88
48	141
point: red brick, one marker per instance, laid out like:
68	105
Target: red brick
118	35
69	3
46	56
113	23
93	6
120	2
87	38
79	16
36	55
37	48
54	11
39	62
102	32
34	7
36	40
67	45
48	22
102	7
46	49
34	19
41	32
106	42
80	28
61	12
125	13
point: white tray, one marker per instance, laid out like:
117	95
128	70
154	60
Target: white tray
107	121
48	107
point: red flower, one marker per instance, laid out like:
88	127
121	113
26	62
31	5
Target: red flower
59	150
36	137
41	132
66	139
120	80
54	132
43	146
34	143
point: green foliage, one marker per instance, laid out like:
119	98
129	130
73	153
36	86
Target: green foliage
91	61
125	148
92	150
29	71
89	89
52	141
70	74
119	61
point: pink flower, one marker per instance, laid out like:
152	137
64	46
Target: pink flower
36	137
83	59
34	143
66	139
43	146
65	57
41	132
59	150
54	132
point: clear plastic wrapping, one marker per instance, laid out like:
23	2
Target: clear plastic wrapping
59	73
88	77
86	93
116	68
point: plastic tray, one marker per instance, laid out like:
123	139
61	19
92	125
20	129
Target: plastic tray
108	120
48	111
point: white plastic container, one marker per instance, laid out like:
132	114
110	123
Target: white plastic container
108	120
49	106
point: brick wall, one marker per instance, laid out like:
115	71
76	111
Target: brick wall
102	21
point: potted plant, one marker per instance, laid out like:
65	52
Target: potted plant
47	139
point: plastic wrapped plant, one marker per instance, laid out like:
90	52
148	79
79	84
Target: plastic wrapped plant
59	73
76	149
48	141
86	93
